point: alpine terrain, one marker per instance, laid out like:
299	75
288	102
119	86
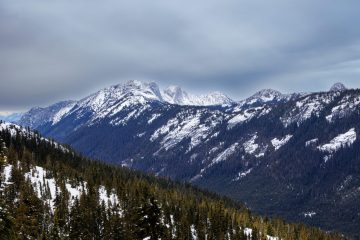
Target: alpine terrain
291	155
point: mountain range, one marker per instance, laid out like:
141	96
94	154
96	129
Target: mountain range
290	155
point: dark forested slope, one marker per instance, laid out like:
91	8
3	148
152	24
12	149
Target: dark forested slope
50	192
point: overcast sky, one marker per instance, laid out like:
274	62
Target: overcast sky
57	50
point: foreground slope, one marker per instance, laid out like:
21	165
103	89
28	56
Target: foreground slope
48	191
293	155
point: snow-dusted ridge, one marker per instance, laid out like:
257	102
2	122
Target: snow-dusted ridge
133	95
111	101
14	129
47	188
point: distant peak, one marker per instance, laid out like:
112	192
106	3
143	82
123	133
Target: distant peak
269	91
217	93
337	87
133	82
267	94
171	90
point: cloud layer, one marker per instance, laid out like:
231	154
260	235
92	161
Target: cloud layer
53	50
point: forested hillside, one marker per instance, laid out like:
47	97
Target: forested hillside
50	192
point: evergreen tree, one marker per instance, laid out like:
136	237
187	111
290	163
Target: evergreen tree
148	218
29	213
6	222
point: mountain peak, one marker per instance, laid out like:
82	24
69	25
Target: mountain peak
147	90
338	87
134	83
176	95
269	92
265	95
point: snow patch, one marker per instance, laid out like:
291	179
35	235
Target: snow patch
185	127
247	115
278	143
44	187
61	113
341	141
110	199
225	154
5	176
309	214
193	232
250	146
311	142
153	118
75	191
242	174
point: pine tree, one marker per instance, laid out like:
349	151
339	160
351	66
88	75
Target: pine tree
6	222
75	231
29	213
148	218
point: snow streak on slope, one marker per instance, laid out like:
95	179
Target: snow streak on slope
278	143
247	114
225	154
62	112
342	140
250	146
185	126
242	174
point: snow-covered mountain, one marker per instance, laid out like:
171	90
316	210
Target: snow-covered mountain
38	116
176	95
268	141
108	102
270	96
13	117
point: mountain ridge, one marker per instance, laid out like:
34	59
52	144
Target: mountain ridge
284	149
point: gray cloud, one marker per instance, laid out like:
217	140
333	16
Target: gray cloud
54	50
